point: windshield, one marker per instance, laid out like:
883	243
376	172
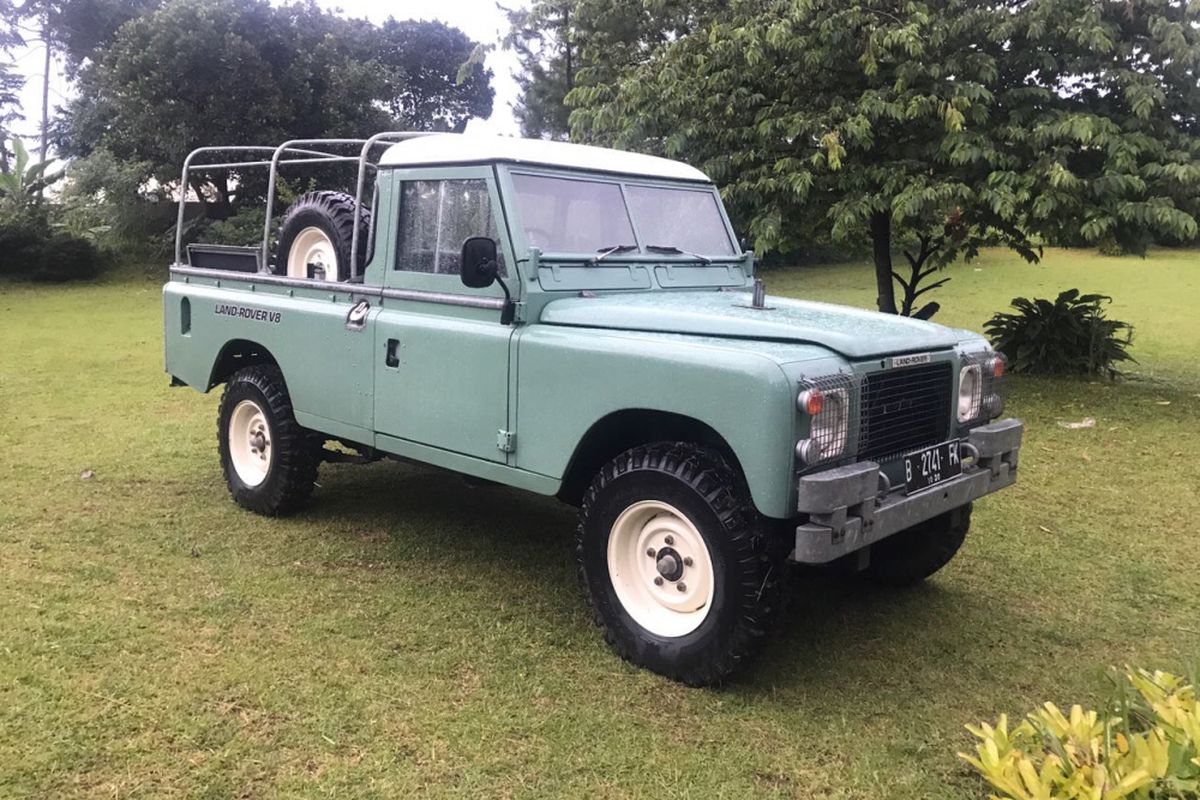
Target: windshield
685	218
567	215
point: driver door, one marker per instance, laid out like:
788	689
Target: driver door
442	368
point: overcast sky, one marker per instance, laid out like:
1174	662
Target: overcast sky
479	19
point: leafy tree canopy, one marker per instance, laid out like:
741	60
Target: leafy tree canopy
197	72
10	81
562	43
540	36
422	87
936	125
81	28
10	100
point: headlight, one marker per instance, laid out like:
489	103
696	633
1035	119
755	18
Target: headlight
970	392
829	428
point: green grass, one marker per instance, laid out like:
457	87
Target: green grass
411	635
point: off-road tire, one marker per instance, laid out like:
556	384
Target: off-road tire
747	560
295	450
334	213
912	555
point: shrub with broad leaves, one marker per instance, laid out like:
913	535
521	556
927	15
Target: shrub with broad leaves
1147	747
1067	335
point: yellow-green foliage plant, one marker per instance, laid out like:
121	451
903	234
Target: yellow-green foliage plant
1148	748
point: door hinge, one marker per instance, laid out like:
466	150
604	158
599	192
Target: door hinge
506	441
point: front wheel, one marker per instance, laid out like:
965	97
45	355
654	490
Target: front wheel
270	462
680	573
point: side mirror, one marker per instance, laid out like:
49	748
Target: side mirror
478	264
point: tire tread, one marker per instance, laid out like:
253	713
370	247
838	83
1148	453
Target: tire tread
761	589
295	448
338	208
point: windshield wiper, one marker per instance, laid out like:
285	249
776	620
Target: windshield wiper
675	251
605	252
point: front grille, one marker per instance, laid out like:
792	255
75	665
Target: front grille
904	410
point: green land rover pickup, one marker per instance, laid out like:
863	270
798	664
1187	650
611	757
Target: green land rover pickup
581	322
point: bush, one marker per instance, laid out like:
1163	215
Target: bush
1147	747
243	228
67	258
1067	335
21	238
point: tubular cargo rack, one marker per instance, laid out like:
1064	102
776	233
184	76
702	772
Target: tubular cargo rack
308	153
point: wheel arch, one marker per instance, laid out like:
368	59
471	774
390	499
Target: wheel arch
621	430
237	354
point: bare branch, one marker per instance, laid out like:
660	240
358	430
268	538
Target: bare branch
930	287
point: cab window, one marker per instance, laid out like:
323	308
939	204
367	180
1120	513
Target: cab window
436	217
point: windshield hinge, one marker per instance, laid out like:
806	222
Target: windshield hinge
506	441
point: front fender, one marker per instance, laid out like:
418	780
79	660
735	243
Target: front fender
570	378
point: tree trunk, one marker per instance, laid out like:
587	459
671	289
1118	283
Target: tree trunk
198	187
224	204
881	245
569	67
45	150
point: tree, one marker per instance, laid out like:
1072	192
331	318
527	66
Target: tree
10	82
540	36
10	101
188	74
77	28
198	72
564	43
938	126
82	28
423	90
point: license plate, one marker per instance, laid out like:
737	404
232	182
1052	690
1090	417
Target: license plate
932	466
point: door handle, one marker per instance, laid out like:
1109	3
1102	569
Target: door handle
391	355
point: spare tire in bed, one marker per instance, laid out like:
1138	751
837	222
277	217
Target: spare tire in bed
314	239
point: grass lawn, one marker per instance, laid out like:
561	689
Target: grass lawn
410	635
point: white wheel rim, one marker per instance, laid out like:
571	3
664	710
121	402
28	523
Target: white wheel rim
250	443
650	540
312	246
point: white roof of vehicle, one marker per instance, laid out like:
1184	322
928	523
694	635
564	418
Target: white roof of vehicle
454	148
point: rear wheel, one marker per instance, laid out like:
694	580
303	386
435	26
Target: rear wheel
912	555
681	575
270	462
316	235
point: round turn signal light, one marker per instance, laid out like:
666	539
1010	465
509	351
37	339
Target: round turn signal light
811	402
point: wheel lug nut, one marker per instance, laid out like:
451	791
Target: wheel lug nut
658	581
669	540
650	552
681	586
687	561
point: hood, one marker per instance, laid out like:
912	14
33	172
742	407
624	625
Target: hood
851	332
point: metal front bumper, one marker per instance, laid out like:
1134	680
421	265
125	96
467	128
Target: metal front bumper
847	511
